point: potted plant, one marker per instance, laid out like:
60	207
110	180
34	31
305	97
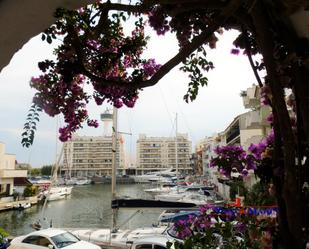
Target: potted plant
4	243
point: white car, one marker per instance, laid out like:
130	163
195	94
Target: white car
50	238
152	242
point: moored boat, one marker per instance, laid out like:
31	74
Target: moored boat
117	238
83	182
57	193
156	176
22	206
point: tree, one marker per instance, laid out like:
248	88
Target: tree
96	51
46	170
259	195
30	190
35	172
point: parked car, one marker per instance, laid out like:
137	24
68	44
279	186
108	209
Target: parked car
50	238
152	242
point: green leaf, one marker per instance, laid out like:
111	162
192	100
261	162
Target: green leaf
24	140
49	39
24	133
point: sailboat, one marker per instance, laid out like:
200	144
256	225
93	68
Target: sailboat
54	193
165	178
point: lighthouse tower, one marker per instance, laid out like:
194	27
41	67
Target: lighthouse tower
107	119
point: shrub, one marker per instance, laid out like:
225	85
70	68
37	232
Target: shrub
3	235
30	190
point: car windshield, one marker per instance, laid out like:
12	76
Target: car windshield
64	239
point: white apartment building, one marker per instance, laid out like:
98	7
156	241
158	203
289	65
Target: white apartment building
158	153
209	145
8	172
86	156
245	129
249	127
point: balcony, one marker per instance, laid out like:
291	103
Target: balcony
251	97
11	173
253	119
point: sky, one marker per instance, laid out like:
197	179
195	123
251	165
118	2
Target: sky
154	113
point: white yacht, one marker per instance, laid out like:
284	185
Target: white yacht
83	182
197	199
157	176
57	193
118	238
162	189
180	192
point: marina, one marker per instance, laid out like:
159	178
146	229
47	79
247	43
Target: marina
88	206
174	167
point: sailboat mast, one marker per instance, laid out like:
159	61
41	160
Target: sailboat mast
114	162
176	148
53	181
114	149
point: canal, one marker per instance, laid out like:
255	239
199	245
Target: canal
88	206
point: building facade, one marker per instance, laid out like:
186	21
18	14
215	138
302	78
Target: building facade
8	172
159	153
252	126
87	156
245	129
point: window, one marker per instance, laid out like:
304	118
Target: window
30	240
64	239
144	246
43	242
159	247
150	246
37	240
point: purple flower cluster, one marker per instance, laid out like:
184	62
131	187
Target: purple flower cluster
157	20
258	150
93	123
270	138
232	159
183	228
56	96
266	95
150	68
235	51
270	118
110	63
116	95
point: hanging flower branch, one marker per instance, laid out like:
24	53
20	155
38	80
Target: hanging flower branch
96	51
93	52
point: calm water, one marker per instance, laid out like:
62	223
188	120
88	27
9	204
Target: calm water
88	206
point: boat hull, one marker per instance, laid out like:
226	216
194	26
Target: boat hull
142	203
